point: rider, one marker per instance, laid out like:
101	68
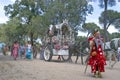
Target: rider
97	59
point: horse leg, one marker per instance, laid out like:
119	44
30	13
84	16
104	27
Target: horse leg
70	54
81	59
115	60
70	59
118	57
110	58
77	58
35	53
86	61
59	57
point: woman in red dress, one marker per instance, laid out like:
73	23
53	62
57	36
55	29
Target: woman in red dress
97	59
15	50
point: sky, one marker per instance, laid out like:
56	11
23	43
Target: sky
3	3
90	18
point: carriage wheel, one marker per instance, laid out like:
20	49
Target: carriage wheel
47	54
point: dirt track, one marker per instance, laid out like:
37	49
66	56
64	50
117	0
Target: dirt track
55	70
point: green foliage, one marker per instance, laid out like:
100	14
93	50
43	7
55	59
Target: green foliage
26	11
81	38
117	24
12	31
38	26
34	16
104	4
111	18
109	3
115	35
73	10
89	27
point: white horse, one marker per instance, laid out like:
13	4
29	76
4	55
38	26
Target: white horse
111	50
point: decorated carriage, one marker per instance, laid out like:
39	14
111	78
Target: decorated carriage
57	41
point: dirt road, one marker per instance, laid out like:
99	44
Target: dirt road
54	70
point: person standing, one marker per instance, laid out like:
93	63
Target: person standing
97	58
29	50
5	50
15	49
42	47
22	51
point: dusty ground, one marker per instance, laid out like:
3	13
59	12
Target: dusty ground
54	70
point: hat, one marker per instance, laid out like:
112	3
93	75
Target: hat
94	31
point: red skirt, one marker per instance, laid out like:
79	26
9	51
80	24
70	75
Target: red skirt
97	62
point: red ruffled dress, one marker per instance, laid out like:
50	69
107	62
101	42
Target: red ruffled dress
97	61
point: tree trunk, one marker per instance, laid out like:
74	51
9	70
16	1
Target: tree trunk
105	22
31	38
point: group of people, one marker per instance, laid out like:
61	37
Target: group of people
25	50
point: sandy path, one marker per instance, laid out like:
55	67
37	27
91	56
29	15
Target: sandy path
41	70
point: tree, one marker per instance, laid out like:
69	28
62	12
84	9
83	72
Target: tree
73	10
111	19
115	35
12	31
89	27
48	11
104	4
39	27
117	24
25	10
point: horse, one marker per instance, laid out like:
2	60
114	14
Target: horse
78	49
111	50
